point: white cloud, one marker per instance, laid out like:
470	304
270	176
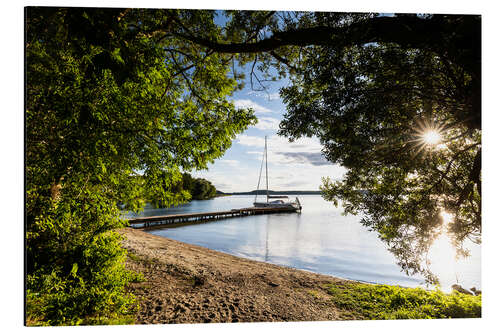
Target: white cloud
277	143
305	157
282	176
292	165
296	165
301	176
263	94
243	180
250	141
231	163
246	103
254	152
267	123
274	96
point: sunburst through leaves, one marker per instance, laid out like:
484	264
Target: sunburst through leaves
429	136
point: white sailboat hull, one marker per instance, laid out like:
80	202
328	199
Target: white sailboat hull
277	205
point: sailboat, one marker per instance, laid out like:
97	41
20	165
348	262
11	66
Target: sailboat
277	201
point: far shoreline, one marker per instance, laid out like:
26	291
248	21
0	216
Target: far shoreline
264	192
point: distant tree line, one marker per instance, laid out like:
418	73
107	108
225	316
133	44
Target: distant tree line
191	189
263	192
200	189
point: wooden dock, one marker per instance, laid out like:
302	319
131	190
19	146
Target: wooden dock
166	220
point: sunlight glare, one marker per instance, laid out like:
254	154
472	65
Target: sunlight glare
446	217
443	261
431	137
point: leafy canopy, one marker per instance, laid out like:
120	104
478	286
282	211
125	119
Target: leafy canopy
188	187
110	97
396	100
402	121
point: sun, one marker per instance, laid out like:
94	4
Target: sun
431	137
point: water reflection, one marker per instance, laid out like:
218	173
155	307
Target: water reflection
319	239
449	268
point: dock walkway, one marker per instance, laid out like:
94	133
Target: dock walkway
150	221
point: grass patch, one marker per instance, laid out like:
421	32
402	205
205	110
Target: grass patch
34	317
133	256
139	259
390	302
122	320
137	277
314	293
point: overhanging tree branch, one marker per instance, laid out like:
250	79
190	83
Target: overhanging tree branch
408	31
437	33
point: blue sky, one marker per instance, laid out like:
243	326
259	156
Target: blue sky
292	166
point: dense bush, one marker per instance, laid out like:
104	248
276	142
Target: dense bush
203	189
75	263
186	188
392	302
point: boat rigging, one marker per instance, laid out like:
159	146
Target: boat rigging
280	199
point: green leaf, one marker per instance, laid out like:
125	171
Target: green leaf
74	269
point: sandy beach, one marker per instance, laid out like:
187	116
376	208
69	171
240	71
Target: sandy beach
191	284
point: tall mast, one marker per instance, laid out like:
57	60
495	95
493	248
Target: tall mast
260	175
267	180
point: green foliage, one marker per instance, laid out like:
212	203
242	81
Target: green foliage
108	98
370	104
185	188
390	302
76	262
203	189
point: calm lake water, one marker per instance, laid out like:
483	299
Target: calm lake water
320	239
